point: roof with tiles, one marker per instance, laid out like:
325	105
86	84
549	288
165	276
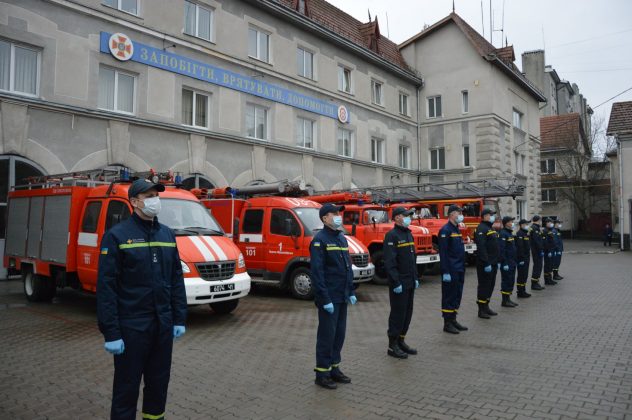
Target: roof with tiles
620	118
559	132
365	34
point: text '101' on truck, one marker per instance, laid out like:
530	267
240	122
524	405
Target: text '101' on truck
56	223
274	230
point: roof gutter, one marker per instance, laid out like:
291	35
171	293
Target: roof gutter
308	24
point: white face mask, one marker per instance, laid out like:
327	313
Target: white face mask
459	218
337	221
492	218
525	227
559	226
152	206
512	225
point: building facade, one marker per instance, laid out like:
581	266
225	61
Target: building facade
478	114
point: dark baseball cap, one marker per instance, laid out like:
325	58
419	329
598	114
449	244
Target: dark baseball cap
143	185
557	221
523	222
547	220
329	208
536	218
508	219
454	207
487	211
402	210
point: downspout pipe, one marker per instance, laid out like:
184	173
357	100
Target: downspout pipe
622	217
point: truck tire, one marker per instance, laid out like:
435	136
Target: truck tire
225	307
37	288
380	276
302	284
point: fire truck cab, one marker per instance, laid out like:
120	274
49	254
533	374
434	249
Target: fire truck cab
274	234
54	230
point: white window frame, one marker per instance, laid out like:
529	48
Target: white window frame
303	121
521	208
519	161
306	52
11	89
116	79
403	104
434	106
404	156
378	150
513	119
438	159
342	68
548	166
548	195
465	101
197	22
377	89
467	164
260	32
118	7
194	105
266	121
351	142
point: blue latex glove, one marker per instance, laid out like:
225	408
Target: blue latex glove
398	289
549	255
353	300
178	331
115	347
488	269
559	253
499	266
521	263
542	253
447	278
416	284
505	267
329	308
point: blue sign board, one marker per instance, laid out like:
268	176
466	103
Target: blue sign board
122	48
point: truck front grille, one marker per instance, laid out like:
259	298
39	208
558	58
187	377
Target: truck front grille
424	242
213	271
360	260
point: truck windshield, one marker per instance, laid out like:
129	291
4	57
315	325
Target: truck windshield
187	215
381	216
310	220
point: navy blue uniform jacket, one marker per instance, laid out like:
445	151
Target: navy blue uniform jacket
487	247
451	249
507	248
537	239
559	245
549	240
331	267
399	257
522	246
140	278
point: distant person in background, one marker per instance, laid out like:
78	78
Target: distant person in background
607	235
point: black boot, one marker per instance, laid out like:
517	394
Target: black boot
394	350
326	382
489	310
482	313
405	347
448	326
338	376
458	326
535	285
507	302
548	280
522	293
556	275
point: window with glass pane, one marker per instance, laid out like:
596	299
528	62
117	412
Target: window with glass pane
549	196
258	44
305	63
437	158
403	156
376	92
344	79
434	107
129	6
116	90
195	108
547	166
344	142
517	119
403	104
256	122
305	133
198	20
466	156
377	150
465	99
18	68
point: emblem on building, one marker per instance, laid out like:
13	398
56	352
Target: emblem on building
121	47
343	114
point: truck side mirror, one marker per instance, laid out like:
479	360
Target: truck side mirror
236	229
354	227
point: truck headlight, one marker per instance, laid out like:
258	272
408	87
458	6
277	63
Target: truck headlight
241	263
185	267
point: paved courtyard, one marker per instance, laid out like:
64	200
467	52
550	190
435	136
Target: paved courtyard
564	353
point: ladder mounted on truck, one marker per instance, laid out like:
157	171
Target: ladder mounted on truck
282	188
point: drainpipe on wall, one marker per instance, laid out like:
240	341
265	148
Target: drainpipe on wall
419	134
621	215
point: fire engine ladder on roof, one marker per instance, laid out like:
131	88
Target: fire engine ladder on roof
282	188
91	178
479	188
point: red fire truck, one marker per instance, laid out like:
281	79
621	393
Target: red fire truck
370	222
56	223
274	233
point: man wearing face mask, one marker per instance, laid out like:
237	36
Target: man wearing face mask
141	303
486	239
332	274
452	255
523	250
549	249
537	252
400	262
559	249
507	262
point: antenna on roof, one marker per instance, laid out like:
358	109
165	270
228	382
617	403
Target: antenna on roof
369	12
482	21
388	33
453	6
491	24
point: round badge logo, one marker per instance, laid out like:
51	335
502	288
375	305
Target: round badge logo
343	114
121	46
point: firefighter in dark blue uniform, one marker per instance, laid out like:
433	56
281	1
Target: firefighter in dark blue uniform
333	285
559	247
400	262
523	256
452	254
549	249
537	252
487	247
507	261
141	303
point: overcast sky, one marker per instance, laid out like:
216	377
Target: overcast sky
588	42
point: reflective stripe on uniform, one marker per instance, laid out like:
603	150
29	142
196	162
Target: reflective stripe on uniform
481	301
521	284
505	293
491	232
448	310
147	245
336	248
405	244
153	416
455	235
317	369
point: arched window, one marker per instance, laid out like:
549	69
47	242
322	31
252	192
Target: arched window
196	181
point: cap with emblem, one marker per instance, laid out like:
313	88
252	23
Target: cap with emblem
329	208
507	219
523	222
535	218
487	211
143	185
402	210
454	207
